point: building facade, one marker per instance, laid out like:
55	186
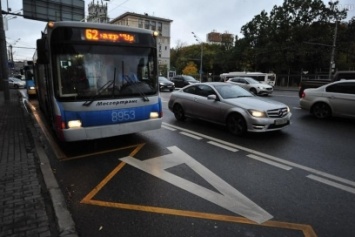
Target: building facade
97	12
146	21
220	38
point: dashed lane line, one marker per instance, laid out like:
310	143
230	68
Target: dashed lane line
331	183
315	173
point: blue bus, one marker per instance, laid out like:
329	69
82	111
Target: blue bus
29	77
97	80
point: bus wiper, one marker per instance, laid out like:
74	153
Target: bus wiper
136	85
130	82
100	90
114	82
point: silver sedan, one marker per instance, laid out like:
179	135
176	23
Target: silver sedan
230	105
252	85
334	99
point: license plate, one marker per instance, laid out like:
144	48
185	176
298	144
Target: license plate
281	121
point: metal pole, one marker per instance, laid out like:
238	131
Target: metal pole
198	40
333	49
201	62
3	61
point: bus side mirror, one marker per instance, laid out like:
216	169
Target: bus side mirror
42	51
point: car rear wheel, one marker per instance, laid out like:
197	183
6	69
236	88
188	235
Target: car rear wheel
321	110
236	124
179	112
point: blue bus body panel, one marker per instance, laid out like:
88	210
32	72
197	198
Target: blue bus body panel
29	83
110	116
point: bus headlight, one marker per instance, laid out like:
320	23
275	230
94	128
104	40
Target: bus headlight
74	124
154	115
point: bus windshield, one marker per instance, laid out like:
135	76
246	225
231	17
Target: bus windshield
103	71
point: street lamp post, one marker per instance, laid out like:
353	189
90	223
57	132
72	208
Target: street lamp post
4	85
199	41
332	64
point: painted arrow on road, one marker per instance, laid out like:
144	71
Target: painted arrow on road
227	197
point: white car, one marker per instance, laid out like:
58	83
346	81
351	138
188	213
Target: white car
334	99
16	83
252	85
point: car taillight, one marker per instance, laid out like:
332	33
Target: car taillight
303	95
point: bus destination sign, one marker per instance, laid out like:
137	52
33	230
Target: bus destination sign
99	35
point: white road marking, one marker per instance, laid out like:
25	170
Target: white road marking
331	183
191	135
169	128
228	197
266	156
222	146
278	165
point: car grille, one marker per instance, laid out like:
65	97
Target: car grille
277	113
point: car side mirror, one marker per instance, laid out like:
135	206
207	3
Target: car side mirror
212	97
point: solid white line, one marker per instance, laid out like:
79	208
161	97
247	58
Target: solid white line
169	128
191	135
278	165
331	183
222	146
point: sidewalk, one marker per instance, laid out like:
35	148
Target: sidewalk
31	203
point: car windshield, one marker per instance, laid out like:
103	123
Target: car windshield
251	80
189	78
231	91
15	79
163	79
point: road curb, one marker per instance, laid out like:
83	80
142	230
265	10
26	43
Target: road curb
64	220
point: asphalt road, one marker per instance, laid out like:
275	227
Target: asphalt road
195	179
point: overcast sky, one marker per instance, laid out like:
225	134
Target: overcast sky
198	16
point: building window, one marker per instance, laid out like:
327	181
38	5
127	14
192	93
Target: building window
160	26
146	24
140	23
154	25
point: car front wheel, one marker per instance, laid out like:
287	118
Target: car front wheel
253	90
179	112
236	124
321	110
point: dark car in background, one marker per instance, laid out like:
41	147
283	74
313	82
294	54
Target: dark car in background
165	84
183	80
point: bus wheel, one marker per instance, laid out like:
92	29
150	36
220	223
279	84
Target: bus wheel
179	112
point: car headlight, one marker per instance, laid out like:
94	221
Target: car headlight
257	113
